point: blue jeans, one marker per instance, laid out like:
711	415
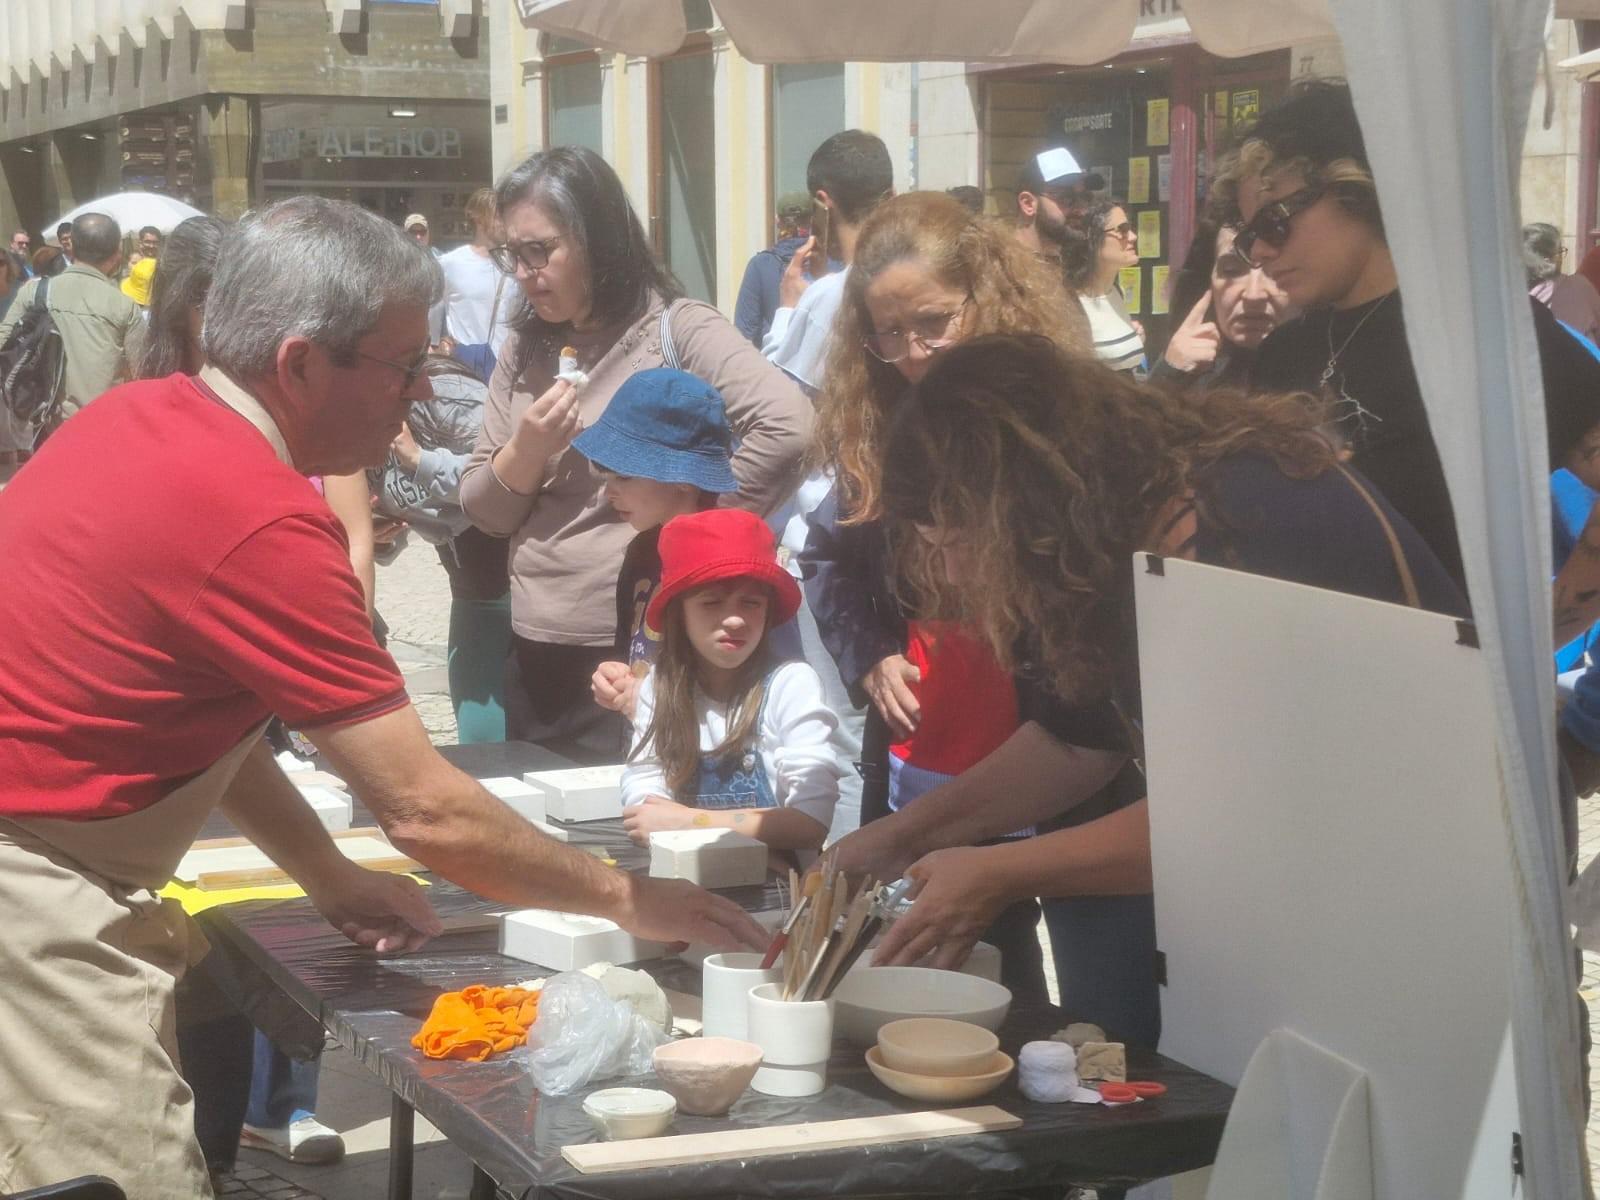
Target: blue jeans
282	1089
1105	954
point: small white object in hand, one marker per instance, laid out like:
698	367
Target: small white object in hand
1048	1072
567	368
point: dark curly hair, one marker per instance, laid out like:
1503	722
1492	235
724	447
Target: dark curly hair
1048	470
1086	237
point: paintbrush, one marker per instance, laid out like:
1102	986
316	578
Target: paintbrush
781	938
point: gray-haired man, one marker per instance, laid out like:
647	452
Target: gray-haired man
188	583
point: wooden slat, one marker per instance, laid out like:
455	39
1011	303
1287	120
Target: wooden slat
216	881
598	1158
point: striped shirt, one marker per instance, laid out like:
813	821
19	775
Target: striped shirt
1116	342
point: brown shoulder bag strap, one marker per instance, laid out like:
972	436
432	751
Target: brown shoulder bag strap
1408	582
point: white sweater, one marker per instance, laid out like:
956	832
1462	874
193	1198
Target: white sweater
794	732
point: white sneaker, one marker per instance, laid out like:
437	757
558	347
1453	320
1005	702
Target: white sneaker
306	1141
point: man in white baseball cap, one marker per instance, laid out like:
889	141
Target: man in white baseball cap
1050	188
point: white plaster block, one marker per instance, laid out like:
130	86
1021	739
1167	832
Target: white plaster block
334	809
521	797
713	858
581	793
570	942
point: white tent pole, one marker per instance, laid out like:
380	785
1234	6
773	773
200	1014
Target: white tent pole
1443	90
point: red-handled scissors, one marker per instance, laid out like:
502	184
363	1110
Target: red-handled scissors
1124	1093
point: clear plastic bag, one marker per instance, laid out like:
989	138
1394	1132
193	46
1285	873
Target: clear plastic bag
582	1034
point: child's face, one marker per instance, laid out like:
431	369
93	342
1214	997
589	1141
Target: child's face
646	503
725	621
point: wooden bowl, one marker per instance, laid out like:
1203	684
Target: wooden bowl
936	1046
942	1089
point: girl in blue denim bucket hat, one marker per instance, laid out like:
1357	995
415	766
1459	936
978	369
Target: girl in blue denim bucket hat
662	447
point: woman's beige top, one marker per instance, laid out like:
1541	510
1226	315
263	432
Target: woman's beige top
566	542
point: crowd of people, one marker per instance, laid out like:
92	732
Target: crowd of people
851	571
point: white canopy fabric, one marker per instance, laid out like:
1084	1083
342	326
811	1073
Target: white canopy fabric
1443	89
132	211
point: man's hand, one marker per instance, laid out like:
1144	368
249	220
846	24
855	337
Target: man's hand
615	688
406	451
888	686
548	425
383	912
957	896
794	283
878	850
675	910
1193	345
657	813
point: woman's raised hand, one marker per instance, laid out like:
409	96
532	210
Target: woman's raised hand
549	424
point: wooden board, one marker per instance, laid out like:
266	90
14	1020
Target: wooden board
363	846
214	881
598	1158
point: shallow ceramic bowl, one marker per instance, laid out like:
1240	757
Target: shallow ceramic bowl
936	1046
868	1000
623	1113
707	1074
942	1089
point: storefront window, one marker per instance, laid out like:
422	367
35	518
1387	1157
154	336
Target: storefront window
687	188
391	156
573	97
807	108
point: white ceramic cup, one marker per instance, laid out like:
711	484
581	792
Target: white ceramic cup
796	1039
725	993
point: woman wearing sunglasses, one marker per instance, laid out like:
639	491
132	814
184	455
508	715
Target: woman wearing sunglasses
927	274
1101	241
1313	224
592	290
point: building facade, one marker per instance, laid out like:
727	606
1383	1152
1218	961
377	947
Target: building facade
229	103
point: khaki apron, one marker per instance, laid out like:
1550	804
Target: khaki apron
89	961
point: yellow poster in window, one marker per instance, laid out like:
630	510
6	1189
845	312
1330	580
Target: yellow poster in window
1158	289
1129	279
1246	106
1150	233
1156	122
1139	180
1219	103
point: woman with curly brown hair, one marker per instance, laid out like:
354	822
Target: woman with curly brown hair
1028	479
926	274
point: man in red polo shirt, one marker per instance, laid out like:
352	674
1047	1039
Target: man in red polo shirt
171	580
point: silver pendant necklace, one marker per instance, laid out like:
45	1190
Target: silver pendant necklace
1348	407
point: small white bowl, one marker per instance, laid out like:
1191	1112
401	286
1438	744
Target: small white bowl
868	1000
936	1046
625	1112
942	1089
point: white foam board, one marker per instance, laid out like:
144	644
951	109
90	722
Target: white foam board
580	793
334	809
712	858
569	941
518	795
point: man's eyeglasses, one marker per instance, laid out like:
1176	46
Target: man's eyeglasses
411	370
533	255
932	332
1271	223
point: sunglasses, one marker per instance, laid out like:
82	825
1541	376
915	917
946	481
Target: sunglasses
1125	230
1271	223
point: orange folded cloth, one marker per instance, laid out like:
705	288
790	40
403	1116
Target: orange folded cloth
476	1022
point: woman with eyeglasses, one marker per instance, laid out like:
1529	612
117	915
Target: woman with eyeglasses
1101	242
926	275
591	290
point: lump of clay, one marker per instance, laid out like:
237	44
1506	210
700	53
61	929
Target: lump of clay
1047	1072
1105	1061
1079	1032
634	988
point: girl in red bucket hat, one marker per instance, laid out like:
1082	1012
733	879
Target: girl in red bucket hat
726	736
